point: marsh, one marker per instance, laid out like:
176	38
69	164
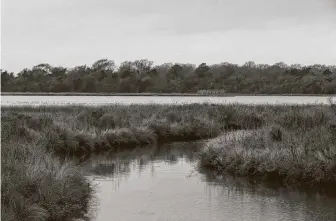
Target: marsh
149	153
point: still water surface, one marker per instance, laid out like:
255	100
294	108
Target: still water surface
163	183
105	100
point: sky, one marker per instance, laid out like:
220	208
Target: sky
76	32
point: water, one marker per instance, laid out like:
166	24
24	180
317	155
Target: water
165	184
105	100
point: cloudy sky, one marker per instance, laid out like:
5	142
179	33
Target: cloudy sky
74	32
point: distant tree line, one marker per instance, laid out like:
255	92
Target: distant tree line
142	76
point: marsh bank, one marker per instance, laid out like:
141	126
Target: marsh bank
78	129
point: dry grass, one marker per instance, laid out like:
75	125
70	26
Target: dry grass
37	186
297	148
82	130
294	144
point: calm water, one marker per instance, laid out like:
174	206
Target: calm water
165	184
104	100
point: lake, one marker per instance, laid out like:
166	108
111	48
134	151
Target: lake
106	100
164	183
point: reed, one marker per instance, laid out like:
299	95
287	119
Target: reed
296	148
293	144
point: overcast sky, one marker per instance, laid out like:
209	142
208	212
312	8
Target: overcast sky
74	32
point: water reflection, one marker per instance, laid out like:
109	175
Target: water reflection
163	183
110	164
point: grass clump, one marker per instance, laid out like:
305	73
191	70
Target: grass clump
299	151
38	186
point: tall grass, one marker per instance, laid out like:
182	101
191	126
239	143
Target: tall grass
295	144
35	185
296	147
82	130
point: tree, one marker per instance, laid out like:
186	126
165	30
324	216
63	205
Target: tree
58	71
281	65
250	64
43	68
103	65
141	76
202	69
6	80
143	66
327	72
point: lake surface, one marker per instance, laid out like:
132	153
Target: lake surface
164	183
106	100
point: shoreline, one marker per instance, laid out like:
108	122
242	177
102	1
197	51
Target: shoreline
155	94
292	145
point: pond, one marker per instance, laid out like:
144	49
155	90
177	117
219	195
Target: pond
164	183
106	100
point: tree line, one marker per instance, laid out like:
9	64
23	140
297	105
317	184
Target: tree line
143	76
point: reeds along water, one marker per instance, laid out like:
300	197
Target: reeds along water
297	148
294	144
76	130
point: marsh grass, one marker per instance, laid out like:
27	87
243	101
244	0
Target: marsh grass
295	144
82	130
38	186
297	147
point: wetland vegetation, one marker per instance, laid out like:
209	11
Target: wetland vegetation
293	145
